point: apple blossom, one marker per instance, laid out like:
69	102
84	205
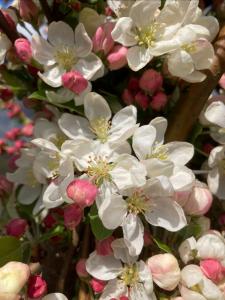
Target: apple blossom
125	275
212	269
64	52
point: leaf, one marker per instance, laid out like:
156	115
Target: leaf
97	227
10	250
162	246
39	95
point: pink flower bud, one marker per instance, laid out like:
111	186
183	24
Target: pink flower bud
142	100
199	201
14	110
74	81
159	101
127	97
102	40
117	58
16	227
212	269
23	49
97	285
133	85
49	221
104	247
72	216
82	191
28	10
12	134
165	270
19	144
6	94
151	81
27	129
81	268
124	298
37	287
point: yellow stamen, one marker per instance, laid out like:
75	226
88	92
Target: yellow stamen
101	127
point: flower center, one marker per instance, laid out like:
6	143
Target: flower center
147	36
196	288
58	140
101	127
138	202
66	57
159	152
189	48
99	169
53	165
130	275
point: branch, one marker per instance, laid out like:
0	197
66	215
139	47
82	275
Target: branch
46	9
191	103
7	28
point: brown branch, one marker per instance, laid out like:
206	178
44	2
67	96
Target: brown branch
7	28
83	294
192	102
47	11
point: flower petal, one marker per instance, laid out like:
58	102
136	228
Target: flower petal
52	76
143	140
42	51
96	107
180	153
60	33
103	267
138	57
90	67
82	41
122	32
215	113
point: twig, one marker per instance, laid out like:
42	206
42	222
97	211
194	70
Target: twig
7	29
190	105
46	10
63	274
83	294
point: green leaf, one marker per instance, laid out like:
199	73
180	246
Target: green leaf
10	250
162	246
39	95
97	227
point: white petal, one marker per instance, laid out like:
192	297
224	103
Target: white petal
128	172
143	140
195	76
46	129
163	47
52	196
60	96
133	232
90	67
156	167
123	124
203	54
122	32
166	213
75	126
160	125
143	12
190	295
216	184
113	290
28	195
182	178
60	33
158	187
79	99
180	153
215	113
216	155
54	296
113	211
82	41
96	107
52	76
45	144
138	57
121	251
145	276
42	51
211	23
180	63
191	275
138	292
103	267
210	290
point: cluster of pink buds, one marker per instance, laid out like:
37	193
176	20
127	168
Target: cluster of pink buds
146	91
113	54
